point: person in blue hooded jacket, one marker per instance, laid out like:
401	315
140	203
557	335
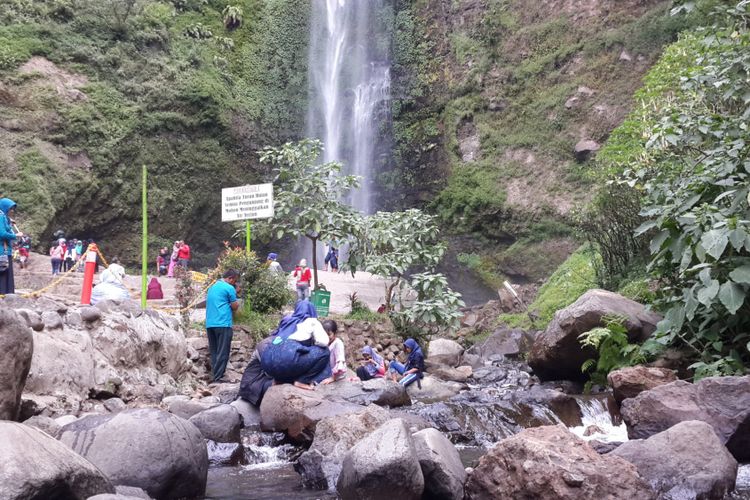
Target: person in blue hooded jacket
7	236
413	370
298	353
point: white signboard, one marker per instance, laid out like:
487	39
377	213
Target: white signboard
247	202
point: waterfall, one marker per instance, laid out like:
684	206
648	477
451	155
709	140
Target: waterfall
599	423
349	74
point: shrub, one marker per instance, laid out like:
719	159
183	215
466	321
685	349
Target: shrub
615	351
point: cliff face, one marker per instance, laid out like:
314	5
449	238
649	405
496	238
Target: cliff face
500	107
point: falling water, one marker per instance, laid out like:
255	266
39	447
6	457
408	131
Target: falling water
599	423
349	86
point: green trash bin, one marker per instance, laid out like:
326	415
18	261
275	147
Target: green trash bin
321	299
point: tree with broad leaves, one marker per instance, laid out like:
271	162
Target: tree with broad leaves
307	197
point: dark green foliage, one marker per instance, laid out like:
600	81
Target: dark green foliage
614	351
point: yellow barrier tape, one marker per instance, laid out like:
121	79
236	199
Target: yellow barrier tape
54	282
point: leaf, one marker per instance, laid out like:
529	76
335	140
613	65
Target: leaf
658	240
708	293
732	296
737	239
715	241
741	274
645	227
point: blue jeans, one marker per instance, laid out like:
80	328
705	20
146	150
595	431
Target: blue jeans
303	291
219	345
396	367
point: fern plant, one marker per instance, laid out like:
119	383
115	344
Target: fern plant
614	349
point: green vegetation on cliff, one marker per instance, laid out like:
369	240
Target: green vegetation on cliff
92	89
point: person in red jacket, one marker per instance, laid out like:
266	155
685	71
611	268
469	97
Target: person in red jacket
183	255
304	276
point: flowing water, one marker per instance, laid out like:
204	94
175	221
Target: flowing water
350	81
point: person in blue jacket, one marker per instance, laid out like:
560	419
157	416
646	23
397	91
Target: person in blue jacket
7	236
413	370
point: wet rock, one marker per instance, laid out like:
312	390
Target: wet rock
250	414
551	462
44	424
296	412
507	342
225	453
531	402
35	465
557	353
148	448
722	402
444	352
489	374
585	148
16	351
320	466
382	465
377	391
187	408
443	472
433	389
687	461
603	448
631	381
221	423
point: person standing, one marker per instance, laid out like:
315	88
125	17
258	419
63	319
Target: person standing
70	256
221	302
7	236
304	276
332	259
56	257
173	259
183	255
273	264
24	249
161	261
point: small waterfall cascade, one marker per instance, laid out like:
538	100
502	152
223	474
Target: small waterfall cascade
349	74
599	423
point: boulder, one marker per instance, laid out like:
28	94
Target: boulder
225	453
320	466
722	402
186	408
221	424
444	352
32	318
459	374
35	465
551	462
250	414
90	314
557	353
377	391
147	448
444	474
433	389
114	405
508	342
383	465
16	348
687	461
585	148
296	411
44	424
633	380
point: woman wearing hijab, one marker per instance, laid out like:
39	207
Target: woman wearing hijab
7	237
373	365
298	353
255	382
110	286
154	291
173	259
413	369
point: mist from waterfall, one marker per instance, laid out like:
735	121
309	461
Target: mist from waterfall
349	74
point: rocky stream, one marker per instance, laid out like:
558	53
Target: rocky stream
110	402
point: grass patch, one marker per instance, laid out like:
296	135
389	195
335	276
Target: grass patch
365	315
259	324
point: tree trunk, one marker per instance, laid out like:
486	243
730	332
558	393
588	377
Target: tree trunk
315	261
389	293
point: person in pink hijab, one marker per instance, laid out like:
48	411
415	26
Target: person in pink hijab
154	291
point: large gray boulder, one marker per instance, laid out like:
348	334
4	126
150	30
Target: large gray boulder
551	462
444	352
686	462
320	466
630	381
444	474
221	424
508	342
382	466
377	391
296	411
34	465
16	348
722	402
432	389
557	353
147	448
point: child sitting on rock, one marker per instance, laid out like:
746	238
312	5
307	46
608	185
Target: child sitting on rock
338	357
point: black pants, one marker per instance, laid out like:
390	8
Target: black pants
7	285
363	374
219	345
